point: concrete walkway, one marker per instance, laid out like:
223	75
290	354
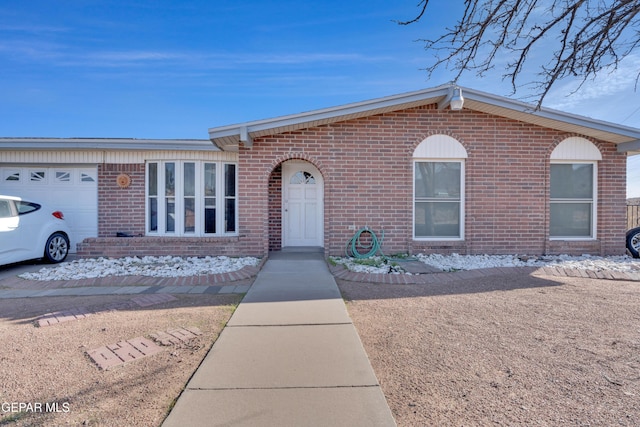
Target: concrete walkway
289	356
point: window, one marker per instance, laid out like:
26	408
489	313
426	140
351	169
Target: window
26	207
12	175
302	177
37	176
5	209
84	177
572	200
438	189
63	176
437	199
189	198
573	186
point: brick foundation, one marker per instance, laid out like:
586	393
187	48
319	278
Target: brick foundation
117	247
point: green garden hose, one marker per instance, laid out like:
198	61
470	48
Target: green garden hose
372	248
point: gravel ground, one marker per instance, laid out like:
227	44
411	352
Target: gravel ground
472	262
500	350
167	266
181	267
48	367
504	350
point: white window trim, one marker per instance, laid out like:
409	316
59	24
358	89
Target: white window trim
462	200
594	203
199	199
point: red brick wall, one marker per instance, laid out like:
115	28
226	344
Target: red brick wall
123	210
275	209
117	247
367	169
120	209
612	195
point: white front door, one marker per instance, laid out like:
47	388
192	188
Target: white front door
302	210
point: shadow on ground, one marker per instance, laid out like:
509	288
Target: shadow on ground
452	286
27	310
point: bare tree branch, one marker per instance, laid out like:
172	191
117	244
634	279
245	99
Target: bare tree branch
423	4
586	38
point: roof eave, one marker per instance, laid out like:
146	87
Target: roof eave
549	117
106	144
229	137
632	148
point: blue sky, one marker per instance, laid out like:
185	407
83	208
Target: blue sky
173	69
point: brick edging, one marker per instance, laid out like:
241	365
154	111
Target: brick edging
341	272
245	273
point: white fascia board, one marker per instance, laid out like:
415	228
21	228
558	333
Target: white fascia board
551	114
440	95
328	113
245	137
628	147
106	144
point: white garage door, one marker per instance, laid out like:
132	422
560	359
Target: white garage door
71	189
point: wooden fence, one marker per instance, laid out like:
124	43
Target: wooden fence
633	216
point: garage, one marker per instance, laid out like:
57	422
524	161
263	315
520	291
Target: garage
70	189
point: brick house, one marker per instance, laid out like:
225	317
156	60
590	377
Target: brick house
493	176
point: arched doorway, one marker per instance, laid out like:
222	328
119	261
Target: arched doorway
302	204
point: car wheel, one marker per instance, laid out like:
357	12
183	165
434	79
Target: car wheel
633	242
57	248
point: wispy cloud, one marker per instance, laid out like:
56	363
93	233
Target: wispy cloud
606	84
60	55
31	51
32	29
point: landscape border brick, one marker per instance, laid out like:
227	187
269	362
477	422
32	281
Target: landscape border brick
343	273
122	352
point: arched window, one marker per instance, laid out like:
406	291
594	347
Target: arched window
302	177
438	190
573	189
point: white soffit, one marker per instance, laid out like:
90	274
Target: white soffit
106	144
228	137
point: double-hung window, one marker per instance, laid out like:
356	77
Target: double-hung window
191	198
572	200
573	194
438	189
438	199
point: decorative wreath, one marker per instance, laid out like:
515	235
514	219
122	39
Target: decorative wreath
123	180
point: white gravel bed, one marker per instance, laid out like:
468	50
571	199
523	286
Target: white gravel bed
167	266
471	262
170	266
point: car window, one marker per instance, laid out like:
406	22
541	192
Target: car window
26	207
5	209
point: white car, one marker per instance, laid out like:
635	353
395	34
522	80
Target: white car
29	230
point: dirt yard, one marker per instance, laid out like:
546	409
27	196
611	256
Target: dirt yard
48	367
497	351
504	351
